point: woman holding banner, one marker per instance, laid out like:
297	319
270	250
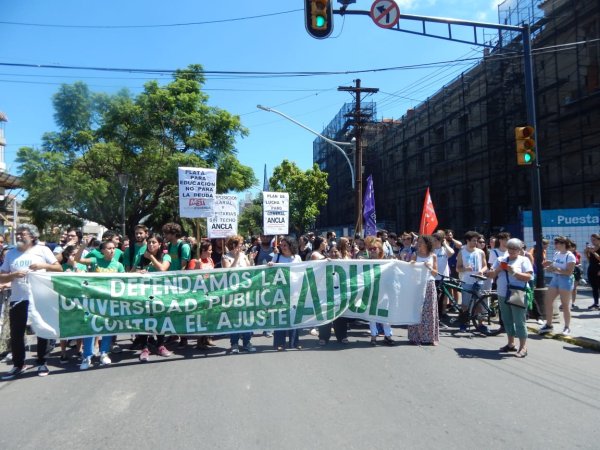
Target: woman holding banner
236	257
107	264
374	246
428	331
204	261
285	253
154	259
340	325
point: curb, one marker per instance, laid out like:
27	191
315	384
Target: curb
591	344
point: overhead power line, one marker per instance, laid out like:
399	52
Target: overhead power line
164	25
239	73
272	74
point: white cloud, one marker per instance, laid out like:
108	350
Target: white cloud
414	4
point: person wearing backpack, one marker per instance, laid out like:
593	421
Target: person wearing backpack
179	250
180	253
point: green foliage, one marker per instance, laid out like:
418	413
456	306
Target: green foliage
74	174
250	221
307	191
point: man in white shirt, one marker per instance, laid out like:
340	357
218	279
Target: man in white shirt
26	257
471	261
500	250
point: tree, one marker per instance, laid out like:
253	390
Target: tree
250	221
307	191
74	174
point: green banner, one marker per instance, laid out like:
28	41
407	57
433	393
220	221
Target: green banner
224	301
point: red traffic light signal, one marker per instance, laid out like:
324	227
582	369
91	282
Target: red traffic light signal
318	17
525	140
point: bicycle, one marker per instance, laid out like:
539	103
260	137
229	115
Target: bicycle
483	306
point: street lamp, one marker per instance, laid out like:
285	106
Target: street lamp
336	144
124	182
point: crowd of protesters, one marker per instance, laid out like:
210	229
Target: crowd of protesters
503	260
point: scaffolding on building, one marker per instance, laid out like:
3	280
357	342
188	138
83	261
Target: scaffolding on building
460	141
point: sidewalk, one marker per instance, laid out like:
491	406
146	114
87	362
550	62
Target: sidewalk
585	324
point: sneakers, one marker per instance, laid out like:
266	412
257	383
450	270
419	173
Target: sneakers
249	348
43	371
463	328
86	363
235	349
114	349
483	329
162	351
14	372
387	340
105	360
63	359
314	332
267	334
566	331
594	307
544	329
145	355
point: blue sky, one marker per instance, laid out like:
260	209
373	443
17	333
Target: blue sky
275	43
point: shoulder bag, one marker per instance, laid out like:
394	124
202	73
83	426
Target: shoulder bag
515	295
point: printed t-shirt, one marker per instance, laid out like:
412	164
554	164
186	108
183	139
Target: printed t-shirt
18	261
104	266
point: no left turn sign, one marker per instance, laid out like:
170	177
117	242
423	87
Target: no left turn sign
385	13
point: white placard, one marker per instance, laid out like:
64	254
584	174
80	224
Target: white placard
276	217
197	190
224	222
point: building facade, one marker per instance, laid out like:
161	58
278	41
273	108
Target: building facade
460	142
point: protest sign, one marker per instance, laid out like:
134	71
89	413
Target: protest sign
197	190
224	221
275	213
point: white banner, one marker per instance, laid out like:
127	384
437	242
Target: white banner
276	217
223	301
197	190
224	222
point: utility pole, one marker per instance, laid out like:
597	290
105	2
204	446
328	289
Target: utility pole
359	117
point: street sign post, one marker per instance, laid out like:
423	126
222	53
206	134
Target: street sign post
385	13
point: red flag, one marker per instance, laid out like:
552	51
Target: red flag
429	220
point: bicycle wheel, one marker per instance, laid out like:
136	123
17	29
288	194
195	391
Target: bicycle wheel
485	312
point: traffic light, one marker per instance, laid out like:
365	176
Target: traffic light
525	145
318	15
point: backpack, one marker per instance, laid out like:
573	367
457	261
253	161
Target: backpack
179	249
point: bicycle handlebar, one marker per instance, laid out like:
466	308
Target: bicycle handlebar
479	277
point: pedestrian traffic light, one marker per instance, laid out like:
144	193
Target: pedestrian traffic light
525	145
318	15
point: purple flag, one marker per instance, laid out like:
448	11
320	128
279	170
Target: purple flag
369	209
265	180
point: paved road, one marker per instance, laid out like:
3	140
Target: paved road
461	394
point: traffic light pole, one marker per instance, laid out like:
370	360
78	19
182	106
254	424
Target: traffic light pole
536	196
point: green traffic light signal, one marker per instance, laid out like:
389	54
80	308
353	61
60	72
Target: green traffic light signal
318	18
524	137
